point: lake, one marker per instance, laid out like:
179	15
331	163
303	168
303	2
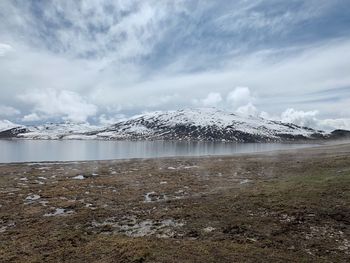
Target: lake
82	150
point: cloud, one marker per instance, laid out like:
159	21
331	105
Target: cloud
97	29
133	56
248	110
302	118
32	117
6	124
331	124
239	100
8	111
311	119
242	102
107	121
52	103
212	100
4	48
240	96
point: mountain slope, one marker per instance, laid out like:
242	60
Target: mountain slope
55	131
9	129
206	124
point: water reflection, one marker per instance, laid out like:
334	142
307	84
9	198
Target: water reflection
79	150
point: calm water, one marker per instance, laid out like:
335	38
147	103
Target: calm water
35	151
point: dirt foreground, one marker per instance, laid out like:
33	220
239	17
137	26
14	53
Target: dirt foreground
287	206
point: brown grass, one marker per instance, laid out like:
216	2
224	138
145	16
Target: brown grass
278	207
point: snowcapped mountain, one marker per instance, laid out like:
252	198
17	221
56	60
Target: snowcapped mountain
55	131
9	129
49	131
205	124
7	125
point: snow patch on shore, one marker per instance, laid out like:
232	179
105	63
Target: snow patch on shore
79	177
132	227
59	212
32	197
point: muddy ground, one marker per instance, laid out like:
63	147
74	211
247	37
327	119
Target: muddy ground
287	206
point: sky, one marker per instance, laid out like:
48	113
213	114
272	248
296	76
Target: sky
101	61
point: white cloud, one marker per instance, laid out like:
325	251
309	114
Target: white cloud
311	119
6	124
8	111
160	100
103	29
239	96
281	82
247	17
4	48
57	103
248	110
32	117
301	118
106	121
242	101
135	55
332	124
213	99
239	100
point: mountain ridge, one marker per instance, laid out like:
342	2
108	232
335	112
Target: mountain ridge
200	124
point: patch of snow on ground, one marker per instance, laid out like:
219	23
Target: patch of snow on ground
3	229
131	227
245	181
148	197
209	229
59	212
345	246
43	203
43	168
79	177
154	197
32	197
91	206
191	167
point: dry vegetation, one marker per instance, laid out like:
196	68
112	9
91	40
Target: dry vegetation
291	206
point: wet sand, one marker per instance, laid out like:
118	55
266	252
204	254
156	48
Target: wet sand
285	206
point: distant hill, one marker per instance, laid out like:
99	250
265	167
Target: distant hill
204	124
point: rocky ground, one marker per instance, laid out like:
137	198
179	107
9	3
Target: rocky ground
288	206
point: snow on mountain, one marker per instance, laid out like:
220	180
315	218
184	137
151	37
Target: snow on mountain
205	124
7	125
55	131
9	129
